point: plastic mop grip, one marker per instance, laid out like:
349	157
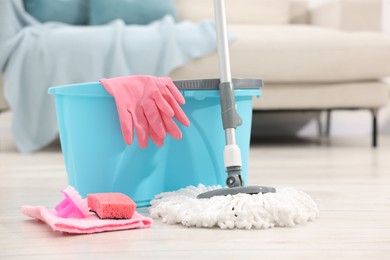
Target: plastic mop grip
230	117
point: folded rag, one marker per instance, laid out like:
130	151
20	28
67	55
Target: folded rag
88	225
147	104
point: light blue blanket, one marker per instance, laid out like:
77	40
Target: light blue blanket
35	56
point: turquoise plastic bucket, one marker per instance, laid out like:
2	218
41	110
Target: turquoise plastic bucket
98	160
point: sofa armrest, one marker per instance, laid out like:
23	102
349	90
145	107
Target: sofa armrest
347	15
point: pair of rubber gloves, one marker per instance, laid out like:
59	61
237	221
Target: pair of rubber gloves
147	104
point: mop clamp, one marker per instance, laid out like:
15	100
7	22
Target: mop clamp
232	161
234	177
230	117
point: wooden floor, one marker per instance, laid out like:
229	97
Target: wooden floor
348	179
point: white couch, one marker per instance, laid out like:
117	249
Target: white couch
325	56
321	57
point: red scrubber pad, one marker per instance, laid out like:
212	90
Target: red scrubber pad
111	205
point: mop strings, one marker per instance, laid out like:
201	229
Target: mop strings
287	207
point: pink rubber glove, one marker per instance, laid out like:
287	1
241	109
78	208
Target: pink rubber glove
173	96
138	102
148	104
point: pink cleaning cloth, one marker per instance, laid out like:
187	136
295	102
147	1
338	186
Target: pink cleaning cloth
90	224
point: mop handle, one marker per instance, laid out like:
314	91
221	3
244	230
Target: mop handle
230	118
222	41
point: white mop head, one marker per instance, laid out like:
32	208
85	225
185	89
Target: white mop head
287	207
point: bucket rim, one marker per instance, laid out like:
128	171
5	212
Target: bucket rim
97	89
213	83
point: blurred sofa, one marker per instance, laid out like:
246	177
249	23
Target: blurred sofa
312	57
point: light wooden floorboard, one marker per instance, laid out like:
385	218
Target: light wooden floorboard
348	179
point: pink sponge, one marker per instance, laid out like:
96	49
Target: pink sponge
111	205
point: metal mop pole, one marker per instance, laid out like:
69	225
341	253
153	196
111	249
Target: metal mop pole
230	118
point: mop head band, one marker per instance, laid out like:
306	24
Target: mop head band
285	208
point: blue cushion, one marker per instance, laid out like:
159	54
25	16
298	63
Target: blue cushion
130	11
66	11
